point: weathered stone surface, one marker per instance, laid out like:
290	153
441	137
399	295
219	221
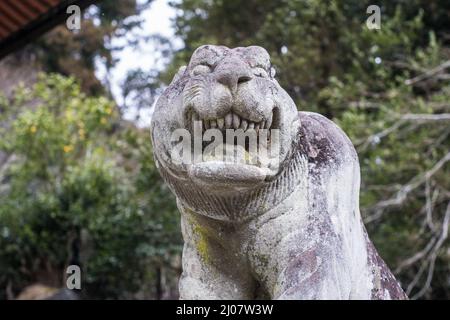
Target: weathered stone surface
296	233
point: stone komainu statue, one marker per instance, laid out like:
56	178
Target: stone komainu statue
291	231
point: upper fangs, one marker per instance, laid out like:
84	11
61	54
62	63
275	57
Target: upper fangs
232	121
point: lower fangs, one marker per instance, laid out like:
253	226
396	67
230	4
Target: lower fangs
232	154
231	121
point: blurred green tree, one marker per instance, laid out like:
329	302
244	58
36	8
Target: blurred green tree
80	187
75	53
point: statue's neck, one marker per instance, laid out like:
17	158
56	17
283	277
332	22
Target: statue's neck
244	205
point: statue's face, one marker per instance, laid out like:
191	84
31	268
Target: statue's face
224	122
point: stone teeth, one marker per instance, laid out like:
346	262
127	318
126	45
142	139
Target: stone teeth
236	121
261	125
244	124
220	123
232	121
194	118
228	120
269	123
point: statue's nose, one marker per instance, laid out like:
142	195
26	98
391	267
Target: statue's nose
232	72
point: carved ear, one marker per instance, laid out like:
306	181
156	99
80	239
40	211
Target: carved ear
272	72
178	75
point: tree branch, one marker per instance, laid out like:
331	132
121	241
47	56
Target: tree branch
402	194
428	74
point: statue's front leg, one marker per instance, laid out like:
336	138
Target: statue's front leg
293	261
211	271
312	275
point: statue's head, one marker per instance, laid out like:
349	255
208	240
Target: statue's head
224	123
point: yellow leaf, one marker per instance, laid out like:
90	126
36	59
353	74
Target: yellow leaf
68	148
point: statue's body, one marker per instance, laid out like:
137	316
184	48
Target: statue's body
259	231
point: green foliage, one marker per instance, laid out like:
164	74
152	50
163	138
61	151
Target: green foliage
76	53
80	187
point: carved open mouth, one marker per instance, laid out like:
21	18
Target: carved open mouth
233	121
246	147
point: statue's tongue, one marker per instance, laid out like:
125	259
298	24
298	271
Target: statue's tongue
232	169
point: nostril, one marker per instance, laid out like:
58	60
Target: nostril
243	79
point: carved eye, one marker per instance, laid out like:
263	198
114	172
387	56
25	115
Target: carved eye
201	69
260	72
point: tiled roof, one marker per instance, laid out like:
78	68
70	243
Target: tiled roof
22	21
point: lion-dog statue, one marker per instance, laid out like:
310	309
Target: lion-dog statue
267	230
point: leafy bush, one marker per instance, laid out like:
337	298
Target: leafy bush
80	187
